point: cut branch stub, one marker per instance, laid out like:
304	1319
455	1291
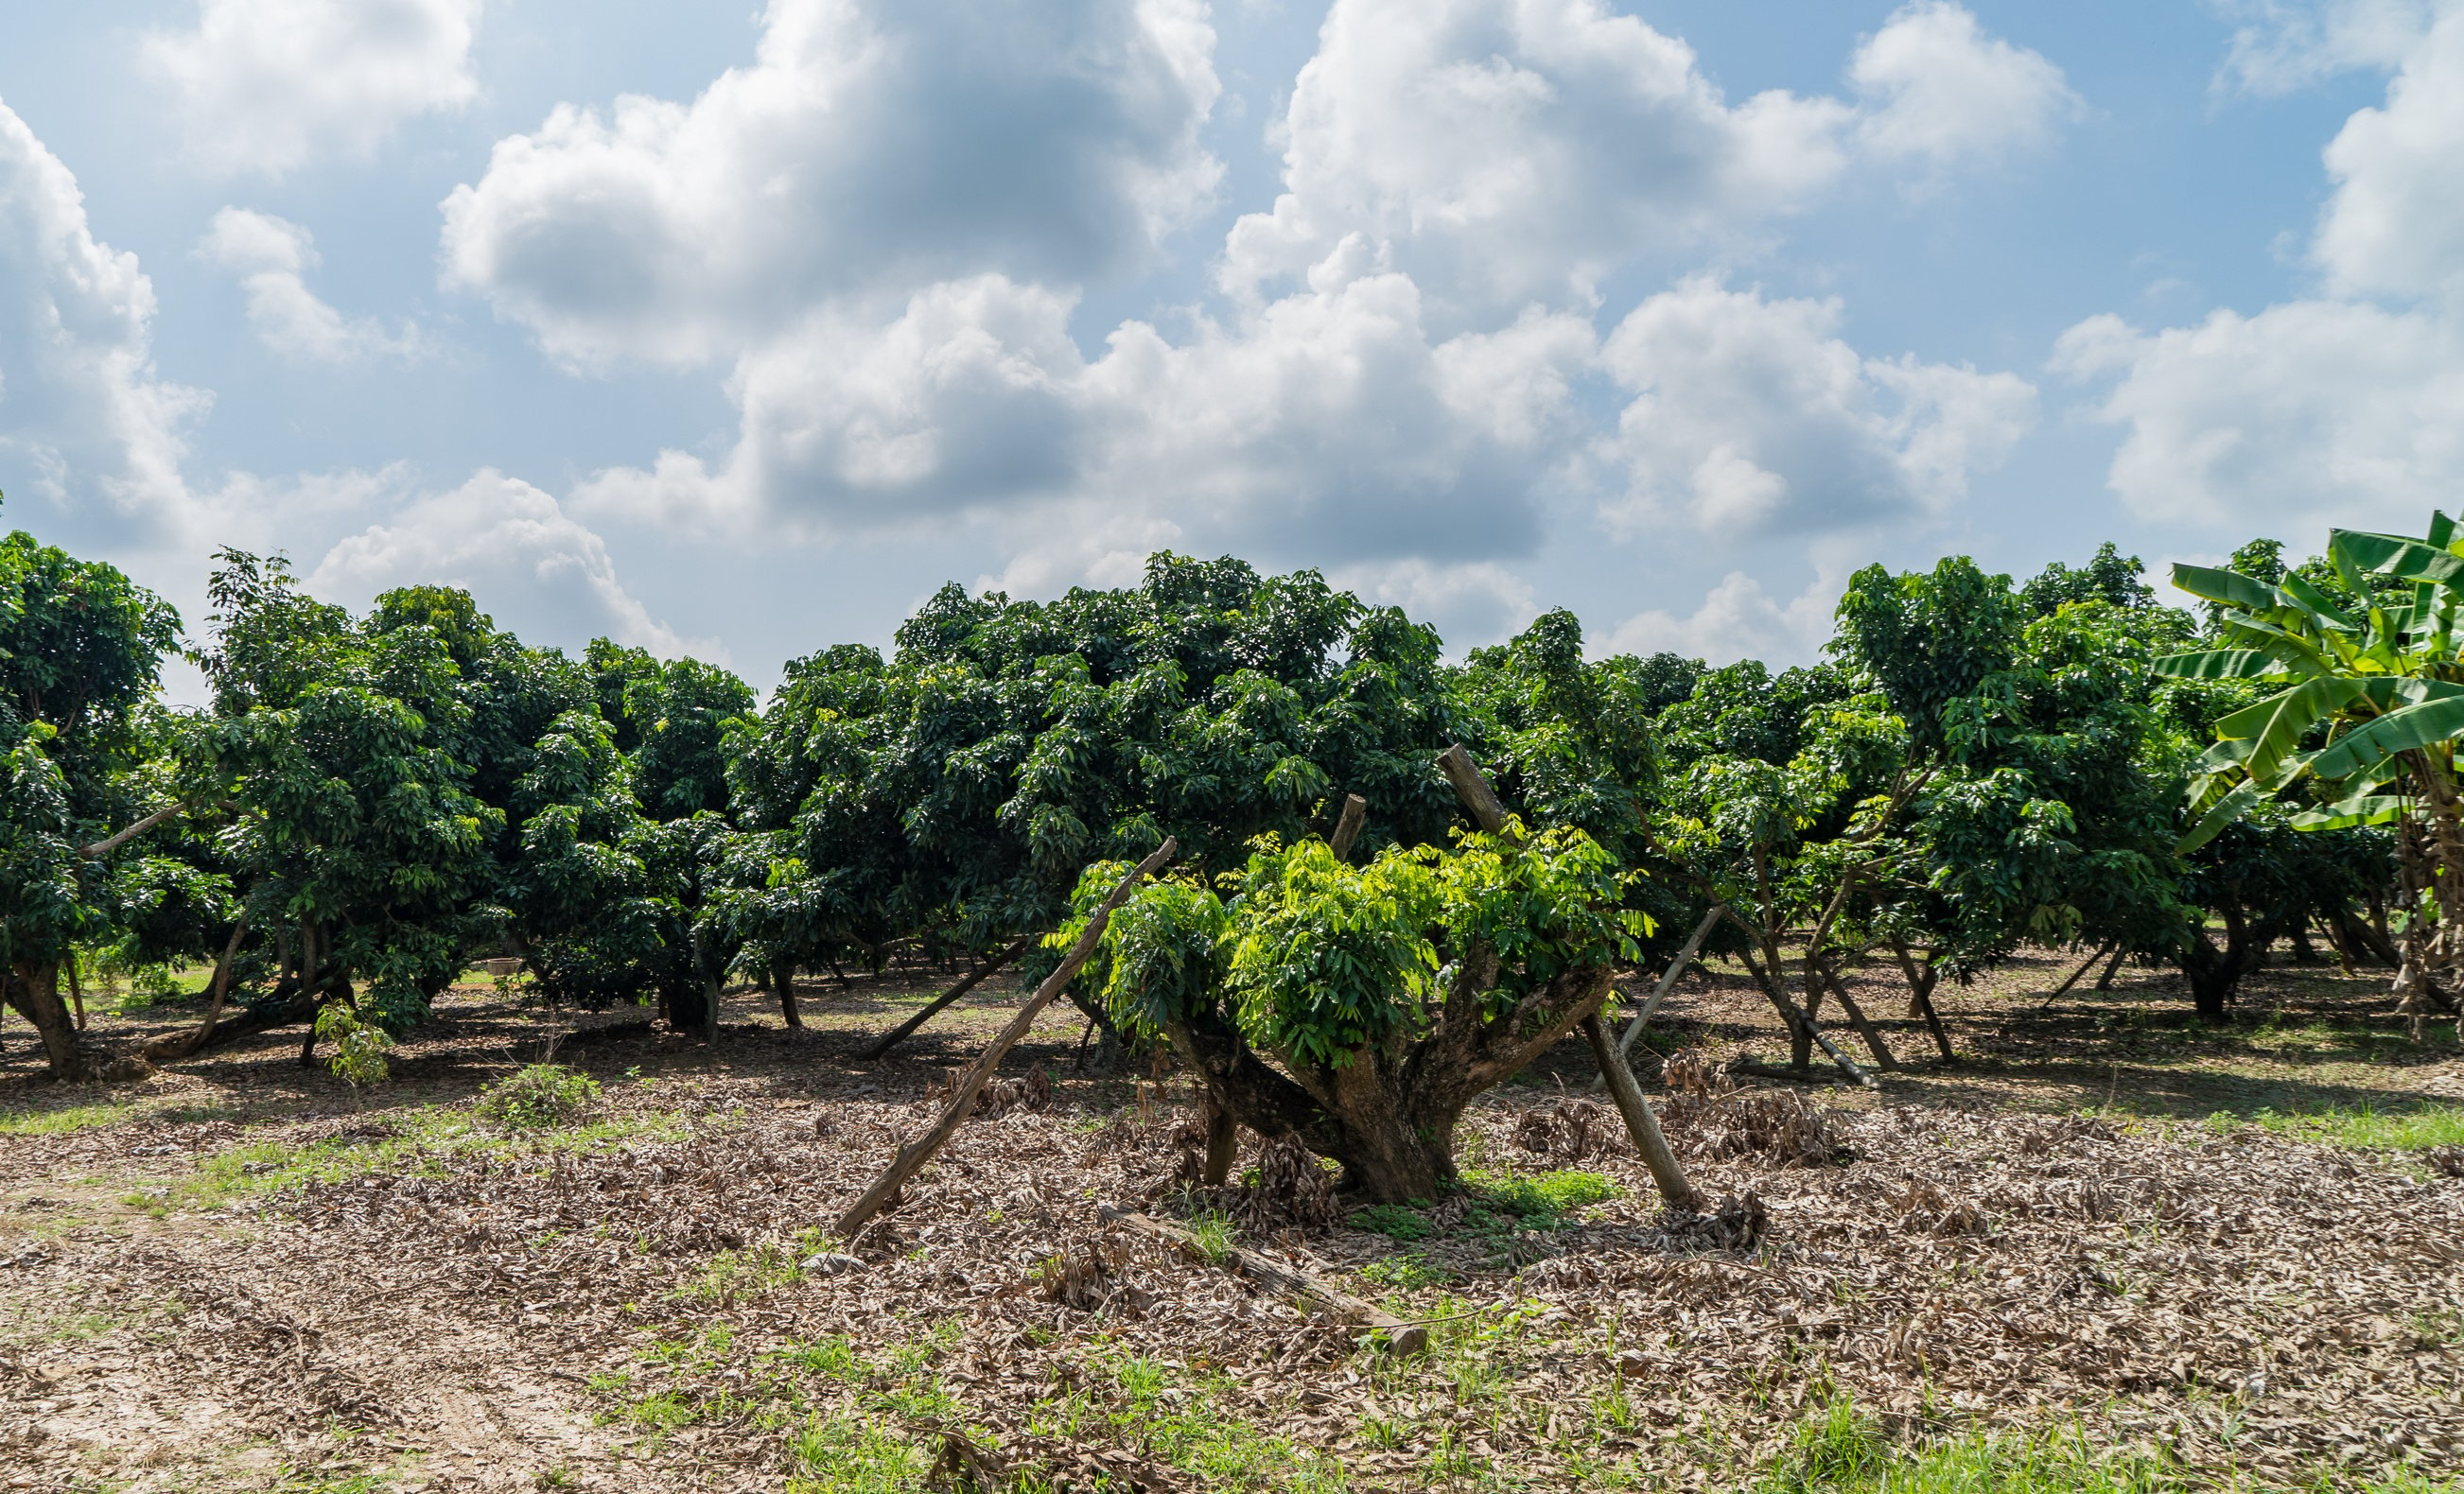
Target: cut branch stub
1482	800
913	1156
1346	829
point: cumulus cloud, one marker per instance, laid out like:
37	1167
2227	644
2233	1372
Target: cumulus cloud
1522	148
1738	620
1939	92
2281	46
869	148
537	570
1504	150
266	86
270	255
1751	415
1332	413
84	417
2345	406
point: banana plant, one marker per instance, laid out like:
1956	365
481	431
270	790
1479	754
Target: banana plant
2364	708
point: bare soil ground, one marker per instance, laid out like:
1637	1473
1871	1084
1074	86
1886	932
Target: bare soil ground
2100	1223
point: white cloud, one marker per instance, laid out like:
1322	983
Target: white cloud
1505	150
2280	46
270	255
2395	224
1939	92
1752	416
266	86
537	570
2346	406
1508	149
1472	603
1331	413
83	414
869	150
1737	620
2306	412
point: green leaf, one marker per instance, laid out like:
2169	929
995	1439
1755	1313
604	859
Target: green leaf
2358	810
2232	806
2228	587
2216	664
2397	732
2276	726
2394	554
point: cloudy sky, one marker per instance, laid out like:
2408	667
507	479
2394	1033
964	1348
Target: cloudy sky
737	329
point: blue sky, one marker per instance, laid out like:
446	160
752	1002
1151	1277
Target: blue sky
737	329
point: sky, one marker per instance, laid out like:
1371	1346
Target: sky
736	330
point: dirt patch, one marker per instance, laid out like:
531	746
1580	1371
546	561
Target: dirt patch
642	1299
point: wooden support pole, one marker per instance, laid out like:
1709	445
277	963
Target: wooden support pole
913	1156
982	973
1306	1287
1882	1056
1788	1009
1667	981
1675	1189
2085	966
1346	829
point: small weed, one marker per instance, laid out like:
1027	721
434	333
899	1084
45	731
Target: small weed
539	1095
850	1455
1541	1196
1410	1272
1392	1221
1211	1233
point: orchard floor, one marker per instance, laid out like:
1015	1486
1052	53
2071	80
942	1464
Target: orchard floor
2103	1249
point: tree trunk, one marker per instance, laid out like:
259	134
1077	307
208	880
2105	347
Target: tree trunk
782	980
36	993
682	1006
1223	1139
2214	972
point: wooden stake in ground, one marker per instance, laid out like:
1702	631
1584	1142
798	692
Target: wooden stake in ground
1401	1337
919	1151
984	972
2085	966
1675	1189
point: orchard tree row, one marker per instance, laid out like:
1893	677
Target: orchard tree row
370	804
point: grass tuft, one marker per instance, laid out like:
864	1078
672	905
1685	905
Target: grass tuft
2367	1127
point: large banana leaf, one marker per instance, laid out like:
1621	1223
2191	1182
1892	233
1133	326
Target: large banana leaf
2395	554
2217	663
2373	742
2276	726
2344	815
2226	810
2231	588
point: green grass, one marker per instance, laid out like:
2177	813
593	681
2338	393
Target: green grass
734	1275
1392	1221
1540	1195
1409	1271
2367	1127
1843	1451
66	1120
427	1140
1179	1417
852	1455
1211	1233
539	1095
